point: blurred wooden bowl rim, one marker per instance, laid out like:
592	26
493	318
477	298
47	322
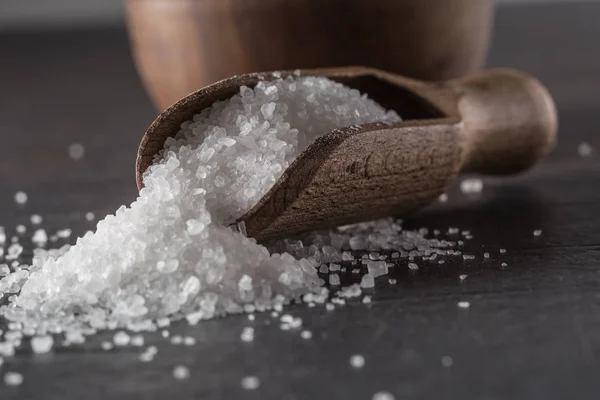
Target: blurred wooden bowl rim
180	46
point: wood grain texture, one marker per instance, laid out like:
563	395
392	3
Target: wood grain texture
497	122
181	46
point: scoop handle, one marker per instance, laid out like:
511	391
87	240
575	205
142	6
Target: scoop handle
509	121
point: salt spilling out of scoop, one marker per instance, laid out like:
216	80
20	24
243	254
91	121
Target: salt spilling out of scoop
171	253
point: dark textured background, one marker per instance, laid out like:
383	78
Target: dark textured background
533	329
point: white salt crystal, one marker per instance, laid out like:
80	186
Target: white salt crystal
21	197
21	229
486	255
90	216
413	266
350	291
177	339
366	300
63	233
383	396
247	334
502	251
504	264
121	339
106	346
42	344
443	198
463	304
584	149
137	340
334	279
377	268
189	341
180	372
13	378
447	361
306	334
165	334
471	185
40	237
367	281
76	151
250	383
357	361
462	277
537	232
329	307
14	251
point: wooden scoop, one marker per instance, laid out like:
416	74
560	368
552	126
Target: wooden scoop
498	122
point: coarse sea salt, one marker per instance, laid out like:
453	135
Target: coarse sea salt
172	254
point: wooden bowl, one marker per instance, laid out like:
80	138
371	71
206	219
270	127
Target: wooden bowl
183	45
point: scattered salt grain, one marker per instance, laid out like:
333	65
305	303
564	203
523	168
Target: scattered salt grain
42	344
181	373
137	341
502	251
189	341
250	383
537	232
367	281
377	268
63	233
584	149
504	264
121	339
462	277
486	255
329	307
383	396
463	304
413	266
13	378
471	185
21	229
76	151
40	237
366	300
36	219
148	354
106	346
247	334
90	216
447	361
21	197
306	334
443	198
163	322
357	361
177	340
334	280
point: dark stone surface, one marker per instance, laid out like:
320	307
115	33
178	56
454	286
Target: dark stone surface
532	331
